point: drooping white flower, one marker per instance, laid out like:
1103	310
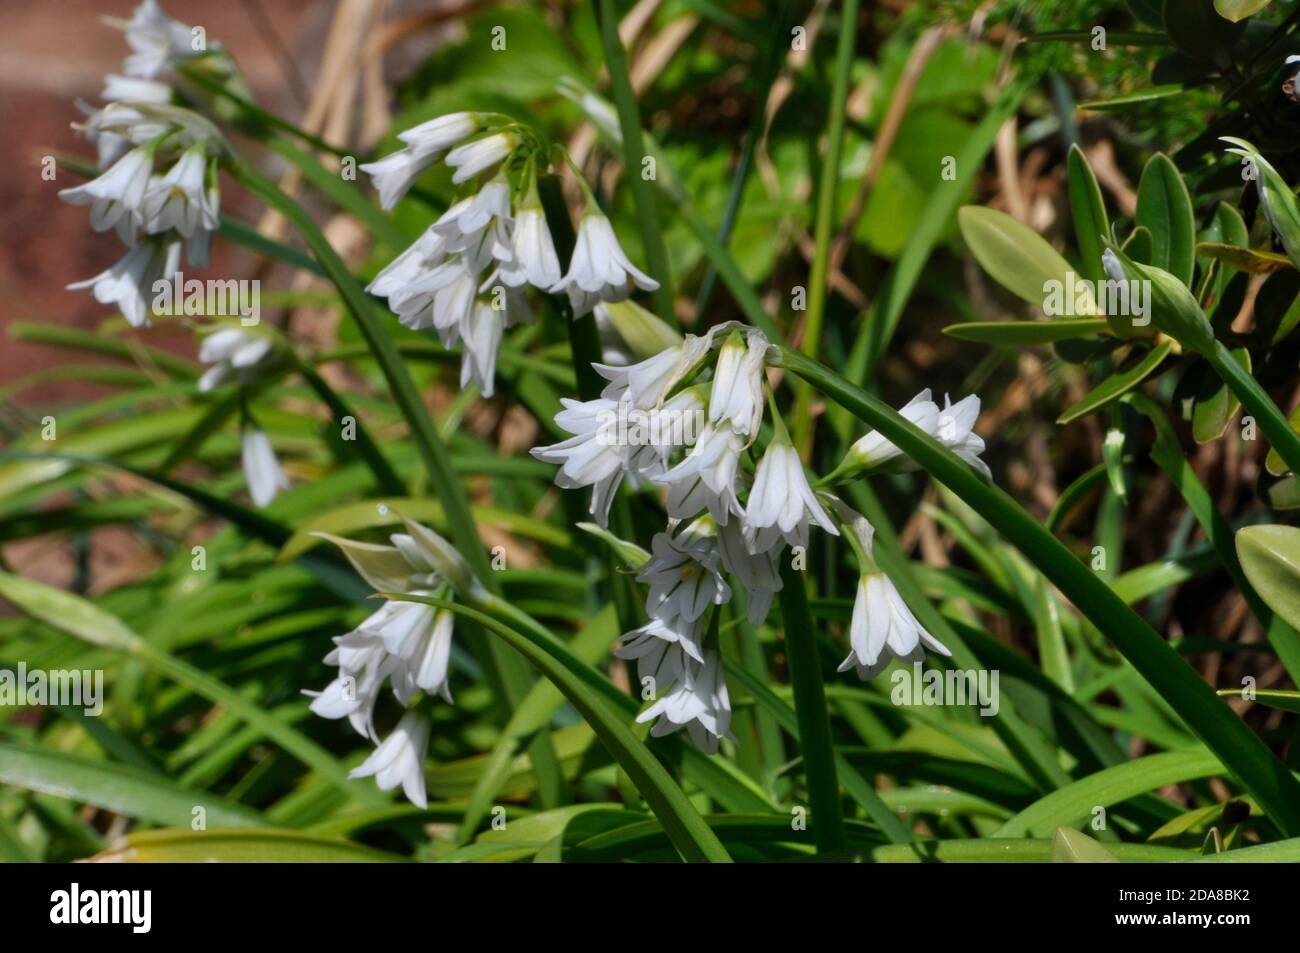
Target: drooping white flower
394	174
420	256
706	478
434	282
180	199
131	89
737	395
781	503
363	664
952	426
425	144
873	449
419	639
436	136
658	648
399	759
129	282
955	430
646	383
471	158
262	467
599	269
533	259
157	41
115	128
683	575
604	450
116	196
233	354
757	572
481	338
697	701
883	629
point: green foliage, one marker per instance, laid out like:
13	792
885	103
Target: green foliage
1110	438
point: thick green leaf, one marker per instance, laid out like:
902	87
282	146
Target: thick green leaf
1165	208
1198	30
1013	254
1236	10
1213	412
1270	556
1089	213
1020	333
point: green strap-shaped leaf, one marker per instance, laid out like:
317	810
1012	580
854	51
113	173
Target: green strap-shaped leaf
239	846
120	788
1075	802
1020	851
84	620
1268	697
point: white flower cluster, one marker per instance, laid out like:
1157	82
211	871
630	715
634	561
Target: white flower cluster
154	212
722	520
465	276
406	644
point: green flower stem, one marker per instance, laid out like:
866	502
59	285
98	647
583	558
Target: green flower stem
633	153
730	273
774	58
814	718
1256	402
510	670
256	113
386	477
1240	750
826	191
584	348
